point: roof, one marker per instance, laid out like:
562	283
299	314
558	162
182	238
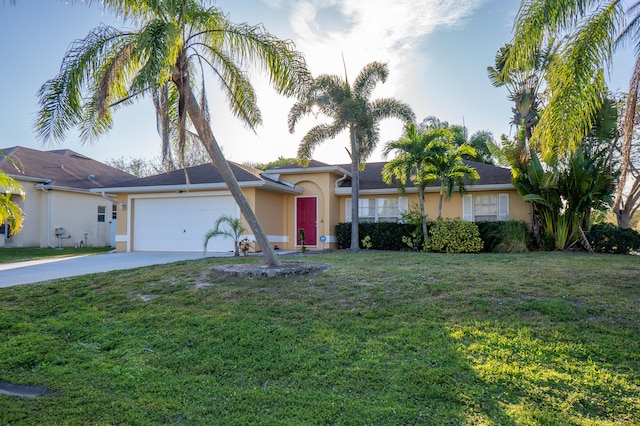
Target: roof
371	176
205	176
59	168
205	173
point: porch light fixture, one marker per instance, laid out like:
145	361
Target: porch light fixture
123	205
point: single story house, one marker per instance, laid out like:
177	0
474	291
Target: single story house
173	211
60	210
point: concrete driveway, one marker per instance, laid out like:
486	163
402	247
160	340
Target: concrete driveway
48	269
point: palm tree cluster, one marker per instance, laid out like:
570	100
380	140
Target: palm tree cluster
425	154
590	31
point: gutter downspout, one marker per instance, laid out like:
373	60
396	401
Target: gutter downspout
105	196
342	179
41	186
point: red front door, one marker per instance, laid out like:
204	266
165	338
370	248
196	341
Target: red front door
306	218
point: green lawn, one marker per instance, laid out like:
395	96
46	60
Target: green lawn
8	255
381	338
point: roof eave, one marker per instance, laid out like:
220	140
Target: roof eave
220	186
304	170
430	189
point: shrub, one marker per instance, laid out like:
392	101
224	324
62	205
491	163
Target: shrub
505	236
382	235
455	236
607	238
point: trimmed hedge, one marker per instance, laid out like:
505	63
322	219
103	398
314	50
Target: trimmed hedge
384	235
455	236
608	238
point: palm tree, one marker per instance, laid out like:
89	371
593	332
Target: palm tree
351	109
446	165
479	140
10	213
176	46
233	229
414	153
524	83
592	29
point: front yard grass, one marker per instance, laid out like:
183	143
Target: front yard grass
9	255
381	338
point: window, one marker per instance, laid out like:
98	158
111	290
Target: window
386	209
114	211
102	213
485	207
5	230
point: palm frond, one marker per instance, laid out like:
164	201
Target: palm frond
315	137
367	79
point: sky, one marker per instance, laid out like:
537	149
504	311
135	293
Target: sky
437	52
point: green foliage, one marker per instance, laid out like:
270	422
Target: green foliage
416	240
9	255
455	236
229	227
366	243
382	235
505	236
280	162
301	238
607	238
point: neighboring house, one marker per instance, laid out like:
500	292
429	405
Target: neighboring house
173	211
60	210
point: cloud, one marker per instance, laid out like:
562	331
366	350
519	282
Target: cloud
371	30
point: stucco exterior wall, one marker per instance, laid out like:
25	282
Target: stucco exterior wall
270	209
451	208
76	212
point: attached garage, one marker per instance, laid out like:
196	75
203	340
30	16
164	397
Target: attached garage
173	211
165	223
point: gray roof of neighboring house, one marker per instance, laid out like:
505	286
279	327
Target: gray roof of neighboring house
61	168
371	176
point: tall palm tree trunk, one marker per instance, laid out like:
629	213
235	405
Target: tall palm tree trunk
423	214
217	157
440	201
355	191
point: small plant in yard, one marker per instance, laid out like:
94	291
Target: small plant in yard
301	237
229	227
366	243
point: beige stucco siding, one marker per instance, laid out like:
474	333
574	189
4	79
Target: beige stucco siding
451	208
270	210
76	212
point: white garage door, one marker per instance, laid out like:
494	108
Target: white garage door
180	223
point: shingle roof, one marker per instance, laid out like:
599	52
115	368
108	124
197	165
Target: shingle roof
64	168
205	173
371	176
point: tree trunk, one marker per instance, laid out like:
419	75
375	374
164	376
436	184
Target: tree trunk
355	191
624	219
217	157
425	234
440	201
